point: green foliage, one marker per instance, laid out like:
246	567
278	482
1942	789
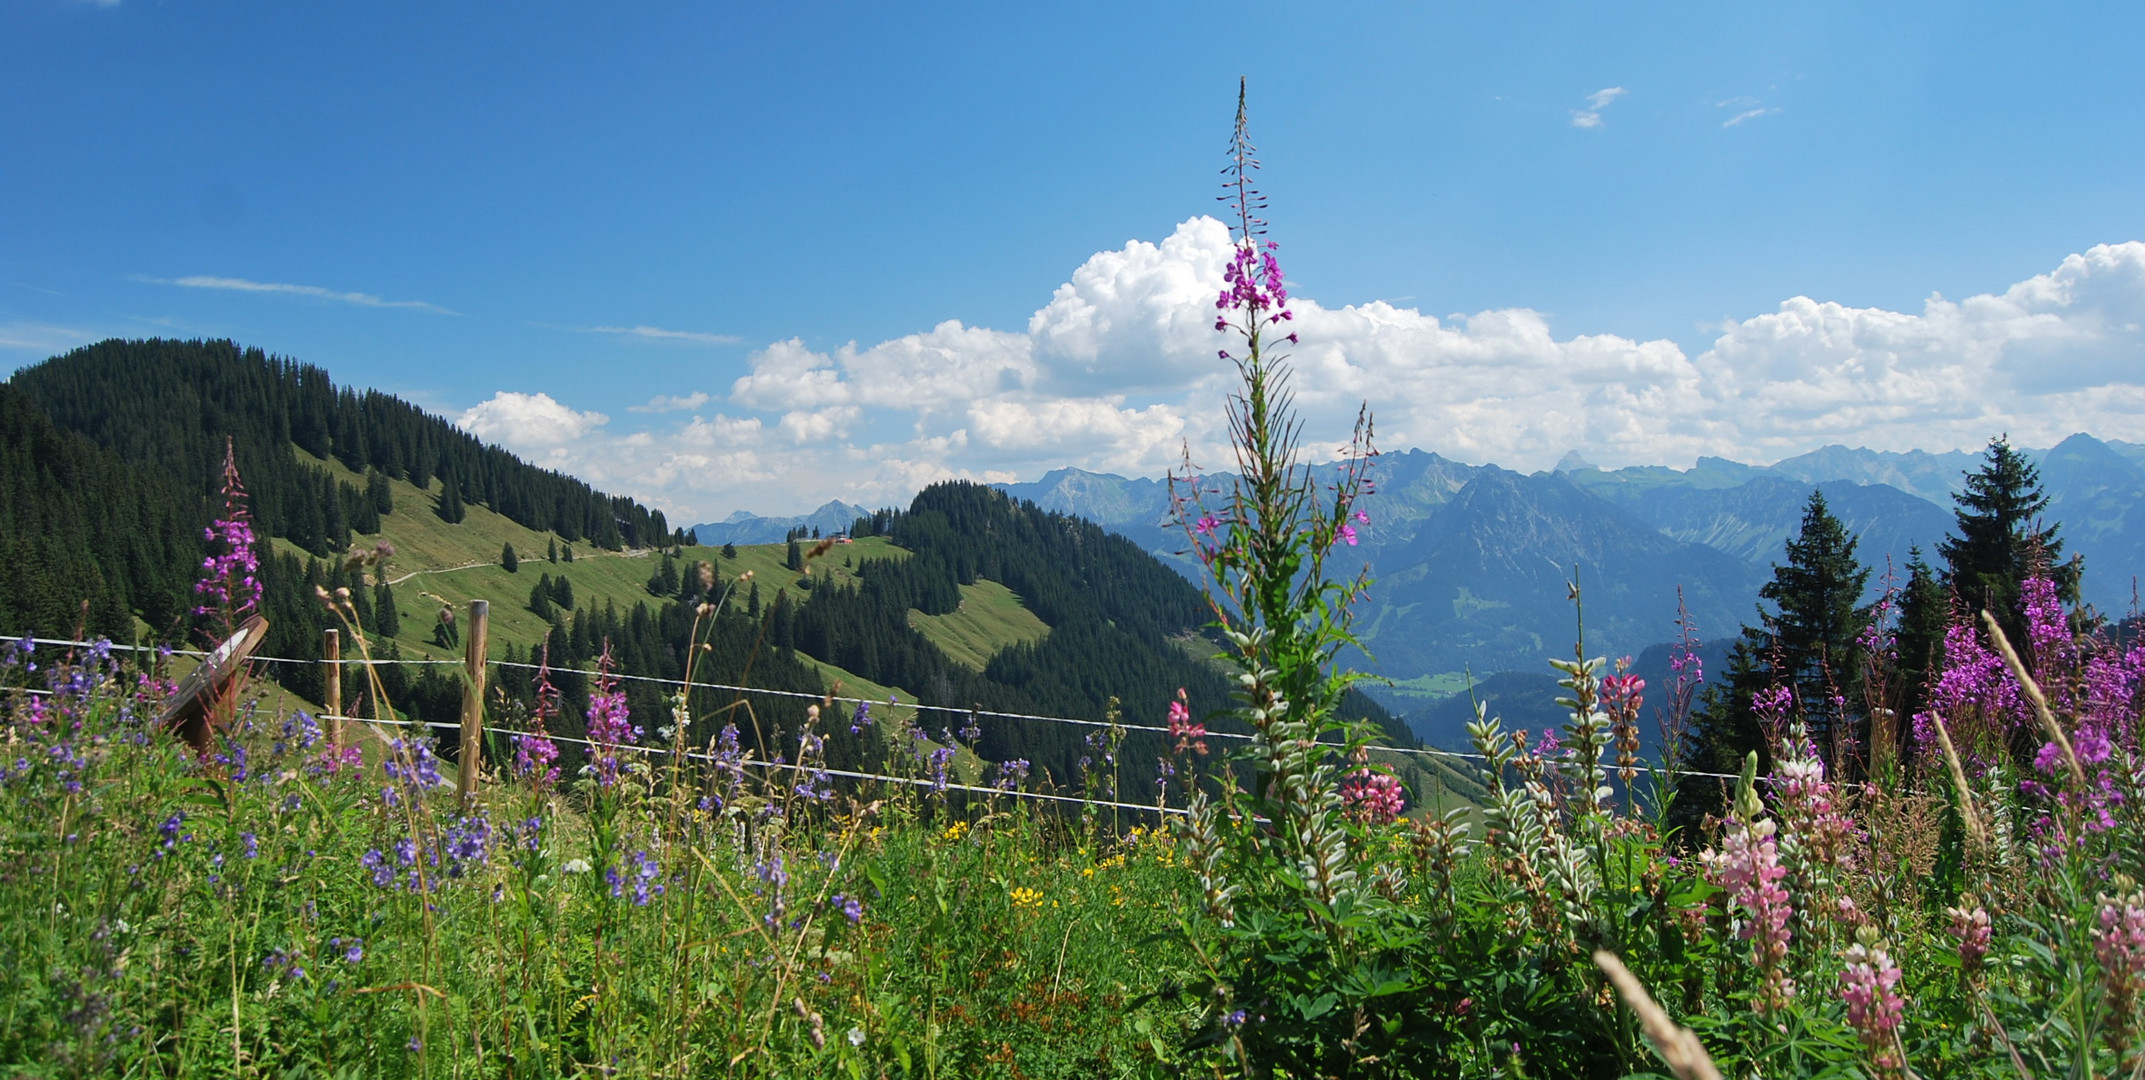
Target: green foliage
508	561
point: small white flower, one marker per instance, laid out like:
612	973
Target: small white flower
576	866
856	1036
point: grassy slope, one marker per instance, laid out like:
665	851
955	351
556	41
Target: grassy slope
432	567
990	618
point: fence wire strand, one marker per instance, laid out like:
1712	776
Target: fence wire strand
954	710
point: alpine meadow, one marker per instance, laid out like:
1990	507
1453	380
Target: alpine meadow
344	736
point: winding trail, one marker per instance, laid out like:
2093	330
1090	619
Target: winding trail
637	553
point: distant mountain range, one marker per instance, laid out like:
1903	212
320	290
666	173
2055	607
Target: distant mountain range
1471	561
743	528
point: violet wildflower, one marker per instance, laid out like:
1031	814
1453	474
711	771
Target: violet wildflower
940	759
851	908
861	718
1011	774
645	873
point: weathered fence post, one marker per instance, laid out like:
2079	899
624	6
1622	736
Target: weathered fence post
472	752
331	654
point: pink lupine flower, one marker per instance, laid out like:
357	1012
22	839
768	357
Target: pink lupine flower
2119	945
1869	986
1748	867
1372	797
1187	734
1972	929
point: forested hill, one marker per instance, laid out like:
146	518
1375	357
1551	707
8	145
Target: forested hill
1122	625
168	405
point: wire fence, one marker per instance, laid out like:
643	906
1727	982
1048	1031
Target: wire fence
1475	760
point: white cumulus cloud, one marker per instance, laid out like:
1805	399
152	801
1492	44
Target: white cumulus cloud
528	421
1116	371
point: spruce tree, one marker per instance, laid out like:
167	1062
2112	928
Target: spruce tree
1818	594
378	493
1924	615
388	620
508	560
566	555
795	559
540	598
551	550
1806	641
2001	539
729	550
450	501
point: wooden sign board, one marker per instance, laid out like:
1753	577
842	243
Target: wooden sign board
192	709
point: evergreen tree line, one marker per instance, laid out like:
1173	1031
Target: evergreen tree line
1814	633
168	405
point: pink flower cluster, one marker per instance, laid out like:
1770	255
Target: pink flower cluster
1870	987
1187	734
1980	702
1372	797
1748	868
610	725
230	577
1810	814
1252	282
1972	929
2120	942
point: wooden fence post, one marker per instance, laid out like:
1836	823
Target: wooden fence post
472	751
331	653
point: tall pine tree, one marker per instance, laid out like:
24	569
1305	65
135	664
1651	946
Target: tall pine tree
2001	539
450	501
1806	640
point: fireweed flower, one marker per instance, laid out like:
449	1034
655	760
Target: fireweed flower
610	726
230	577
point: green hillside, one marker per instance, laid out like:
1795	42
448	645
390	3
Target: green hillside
988	618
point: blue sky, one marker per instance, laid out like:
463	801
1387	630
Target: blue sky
1702	228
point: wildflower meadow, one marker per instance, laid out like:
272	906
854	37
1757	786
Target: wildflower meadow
1956	894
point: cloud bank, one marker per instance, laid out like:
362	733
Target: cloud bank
1117	372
